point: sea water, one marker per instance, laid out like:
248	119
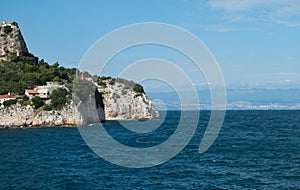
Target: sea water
254	150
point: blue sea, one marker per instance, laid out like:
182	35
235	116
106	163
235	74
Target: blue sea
254	150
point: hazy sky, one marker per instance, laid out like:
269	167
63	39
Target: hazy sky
255	42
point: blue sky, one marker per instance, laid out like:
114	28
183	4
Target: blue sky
255	42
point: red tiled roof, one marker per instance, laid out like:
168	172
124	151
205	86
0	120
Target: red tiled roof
32	91
5	96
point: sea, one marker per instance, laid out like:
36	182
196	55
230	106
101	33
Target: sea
254	150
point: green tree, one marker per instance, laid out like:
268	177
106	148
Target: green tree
15	23
37	102
112	82
31	80
59	98
56	79
47	107
7	29
10	102
3	91
138	88
55	65
101	83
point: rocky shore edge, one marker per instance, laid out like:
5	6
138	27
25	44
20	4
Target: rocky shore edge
27	116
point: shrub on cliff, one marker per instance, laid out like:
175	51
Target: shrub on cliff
101	83
47	107
7	29
8	103
37	102
14	23
138	88
112	81
59	98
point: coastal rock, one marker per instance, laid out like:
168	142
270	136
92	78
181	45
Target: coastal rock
119	105
11	40
17	115
123	103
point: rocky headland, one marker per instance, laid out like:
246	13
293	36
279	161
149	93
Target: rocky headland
33	102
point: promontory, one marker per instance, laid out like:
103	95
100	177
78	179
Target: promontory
35	93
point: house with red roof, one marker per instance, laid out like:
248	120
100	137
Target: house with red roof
31	93
6	97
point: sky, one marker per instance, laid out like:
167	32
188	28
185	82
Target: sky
255	42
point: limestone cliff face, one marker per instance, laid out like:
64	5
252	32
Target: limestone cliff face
11	40
122	102
18	115
126	107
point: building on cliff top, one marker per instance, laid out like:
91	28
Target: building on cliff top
6	97
44	91
31	93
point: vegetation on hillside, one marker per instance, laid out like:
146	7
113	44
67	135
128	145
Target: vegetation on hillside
128	84
8	103
20	73
7	29
59	98
27	72
37	102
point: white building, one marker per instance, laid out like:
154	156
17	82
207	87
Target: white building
44	91
6	97
31	93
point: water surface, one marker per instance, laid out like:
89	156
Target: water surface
254	150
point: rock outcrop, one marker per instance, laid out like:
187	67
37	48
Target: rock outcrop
17	115
122	108
11	40
122	102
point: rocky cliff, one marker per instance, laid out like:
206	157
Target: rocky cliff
11	40
123	101
17	115
120	103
